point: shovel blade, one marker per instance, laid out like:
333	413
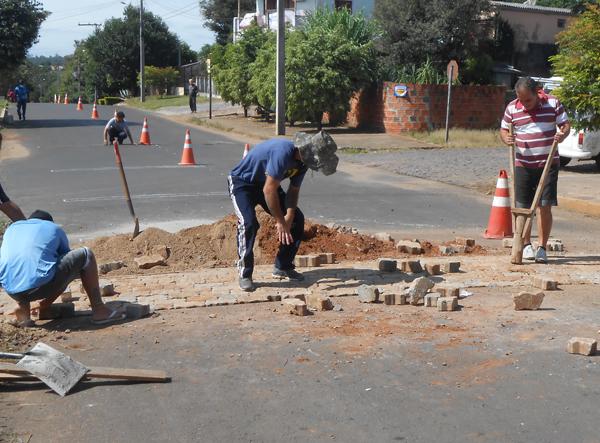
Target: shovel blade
59	371
136	229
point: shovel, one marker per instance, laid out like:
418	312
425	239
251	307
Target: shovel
136	229
59	371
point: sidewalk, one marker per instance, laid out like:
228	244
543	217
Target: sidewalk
578	183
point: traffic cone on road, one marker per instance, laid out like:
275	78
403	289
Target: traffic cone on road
188	154
500	225
95	111
66	98
115	112
59	99
246	150
145	138
79	105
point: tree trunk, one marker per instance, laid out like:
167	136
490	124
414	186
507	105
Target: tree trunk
319	120
245	111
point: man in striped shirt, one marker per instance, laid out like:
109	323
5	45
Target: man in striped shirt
535	116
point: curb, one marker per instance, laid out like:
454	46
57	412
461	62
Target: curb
577	205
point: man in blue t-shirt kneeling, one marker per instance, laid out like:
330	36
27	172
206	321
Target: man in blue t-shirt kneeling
257	181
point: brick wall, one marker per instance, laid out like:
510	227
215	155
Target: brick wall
423	108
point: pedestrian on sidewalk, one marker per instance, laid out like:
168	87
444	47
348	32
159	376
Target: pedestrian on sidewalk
117	128
535	116
257	181
22	95
11	96
193	92
36	263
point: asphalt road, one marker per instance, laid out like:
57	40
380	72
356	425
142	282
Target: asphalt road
70	173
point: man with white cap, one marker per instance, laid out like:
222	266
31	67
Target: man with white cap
257	181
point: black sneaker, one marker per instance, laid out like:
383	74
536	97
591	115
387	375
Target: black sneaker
246	284
288	274
19	117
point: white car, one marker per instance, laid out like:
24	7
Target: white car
582	145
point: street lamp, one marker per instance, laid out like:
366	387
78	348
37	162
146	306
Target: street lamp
142	62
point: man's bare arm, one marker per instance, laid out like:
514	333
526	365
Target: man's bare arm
12	211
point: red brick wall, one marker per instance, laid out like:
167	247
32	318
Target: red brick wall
423	108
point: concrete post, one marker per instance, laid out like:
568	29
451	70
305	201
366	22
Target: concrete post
280	101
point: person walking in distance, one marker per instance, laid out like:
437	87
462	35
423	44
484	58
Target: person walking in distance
193	92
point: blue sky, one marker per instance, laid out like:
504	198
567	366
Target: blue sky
60	29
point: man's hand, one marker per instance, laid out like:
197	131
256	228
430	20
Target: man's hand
284	234
562	132
105	142
508	138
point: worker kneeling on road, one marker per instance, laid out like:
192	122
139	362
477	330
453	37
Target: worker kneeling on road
257	181
117	128
36	263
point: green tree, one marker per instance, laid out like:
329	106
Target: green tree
578	62
114	50
219	14
20	22
231	69
442	29
160	78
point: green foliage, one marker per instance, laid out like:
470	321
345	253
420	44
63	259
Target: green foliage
426	74
231	71
20	22
160	78
262	71
442	29
479	71
112	57
218	16
578	62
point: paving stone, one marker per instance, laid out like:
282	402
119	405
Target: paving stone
528	300
329	258
161	250
583	346
464	241
413	266
447	303
390	299
544	283
383	236
368	294
338	308
433	268
387	265
452	267
400	299
106	288
105	268
431	299
149	261
137	311
66	296
447	291
409	247
294	306
418	289
460	249
447	250
507	242
555	245
57	310
319	302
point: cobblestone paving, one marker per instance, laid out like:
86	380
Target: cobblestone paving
476	168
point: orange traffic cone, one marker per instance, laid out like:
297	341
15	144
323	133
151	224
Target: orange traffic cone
95	111
66	98
79	105
188	154
145	138
115	112
58	98
246	150
500	225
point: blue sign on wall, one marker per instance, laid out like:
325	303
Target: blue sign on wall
400	90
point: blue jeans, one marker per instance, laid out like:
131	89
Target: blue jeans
21	104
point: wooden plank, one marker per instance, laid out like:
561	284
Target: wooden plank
17	377
106	373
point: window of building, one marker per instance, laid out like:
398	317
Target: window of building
562	22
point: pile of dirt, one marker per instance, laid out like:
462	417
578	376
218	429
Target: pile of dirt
215	245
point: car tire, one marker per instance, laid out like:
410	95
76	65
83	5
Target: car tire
564	161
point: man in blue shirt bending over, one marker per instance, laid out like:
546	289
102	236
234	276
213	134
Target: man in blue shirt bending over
257	181
36	263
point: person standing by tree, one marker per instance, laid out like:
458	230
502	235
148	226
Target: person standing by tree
22	94
535	116
193	92
11	96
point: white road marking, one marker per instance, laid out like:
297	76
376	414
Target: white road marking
133	197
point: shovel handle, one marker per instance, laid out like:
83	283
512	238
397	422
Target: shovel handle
11	355
512	169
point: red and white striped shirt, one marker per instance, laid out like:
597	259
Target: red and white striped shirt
535	129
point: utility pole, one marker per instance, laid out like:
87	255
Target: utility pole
142	61
280	98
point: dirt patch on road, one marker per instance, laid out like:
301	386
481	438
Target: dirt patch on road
215	245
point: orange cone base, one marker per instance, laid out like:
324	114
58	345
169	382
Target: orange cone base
187	159
144	143
500	225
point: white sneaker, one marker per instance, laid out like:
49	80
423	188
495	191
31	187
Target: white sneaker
540	256
528	253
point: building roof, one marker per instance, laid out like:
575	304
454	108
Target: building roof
531	8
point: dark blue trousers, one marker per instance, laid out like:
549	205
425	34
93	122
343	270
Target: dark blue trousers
245	196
